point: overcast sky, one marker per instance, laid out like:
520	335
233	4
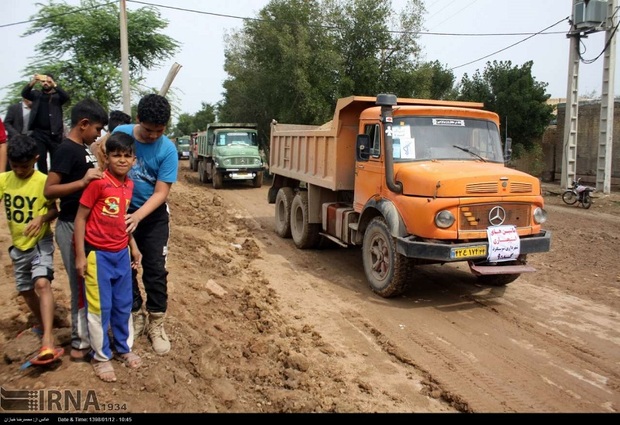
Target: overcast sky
200	32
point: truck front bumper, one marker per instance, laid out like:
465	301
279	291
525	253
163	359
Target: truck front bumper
443	252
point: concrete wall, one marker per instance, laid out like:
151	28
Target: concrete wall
588	128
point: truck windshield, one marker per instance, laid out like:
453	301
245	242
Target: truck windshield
242	138
424	138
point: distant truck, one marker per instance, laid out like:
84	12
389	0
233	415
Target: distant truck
412	182
182	145
229	151
193	151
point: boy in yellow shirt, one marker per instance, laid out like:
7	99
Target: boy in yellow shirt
29	214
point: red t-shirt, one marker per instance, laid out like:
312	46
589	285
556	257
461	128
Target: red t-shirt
108	200
2	132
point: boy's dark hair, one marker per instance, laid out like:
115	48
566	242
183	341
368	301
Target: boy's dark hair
117	118
22	148
119	142
49	74
88	109
154	109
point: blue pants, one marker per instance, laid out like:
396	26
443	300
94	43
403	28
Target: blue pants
109	297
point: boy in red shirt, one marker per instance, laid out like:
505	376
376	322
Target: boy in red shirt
102	258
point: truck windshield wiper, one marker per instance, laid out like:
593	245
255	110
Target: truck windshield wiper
470	152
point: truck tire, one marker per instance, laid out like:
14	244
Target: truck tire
201	172
304	234
218	180
258	180
386	270
284	200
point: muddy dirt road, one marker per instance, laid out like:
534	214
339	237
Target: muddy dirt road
259	326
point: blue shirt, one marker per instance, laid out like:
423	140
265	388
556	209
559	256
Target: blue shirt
154	161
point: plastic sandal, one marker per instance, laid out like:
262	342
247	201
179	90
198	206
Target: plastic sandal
104	370
130	360
47	355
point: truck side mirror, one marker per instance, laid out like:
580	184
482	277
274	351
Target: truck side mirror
508	149
362	147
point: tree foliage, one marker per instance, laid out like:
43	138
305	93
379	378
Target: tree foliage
515	95
294	61
82	48
188	123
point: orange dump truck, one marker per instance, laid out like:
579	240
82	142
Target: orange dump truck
411	181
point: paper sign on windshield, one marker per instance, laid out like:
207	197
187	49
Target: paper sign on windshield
504	243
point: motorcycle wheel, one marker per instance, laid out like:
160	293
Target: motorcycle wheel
587	202
569	197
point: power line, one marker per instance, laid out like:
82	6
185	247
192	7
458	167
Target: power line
512	45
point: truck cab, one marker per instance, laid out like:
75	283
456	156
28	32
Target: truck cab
412	182
230	151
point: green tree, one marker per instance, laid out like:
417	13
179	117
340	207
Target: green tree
515	95
188	123
82	48
300	56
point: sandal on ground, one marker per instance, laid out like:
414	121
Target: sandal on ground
104	370
47	355
81	355
131	359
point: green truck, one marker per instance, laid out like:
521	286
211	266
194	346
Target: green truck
182	144
229	151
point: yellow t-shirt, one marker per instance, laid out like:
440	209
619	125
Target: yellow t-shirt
23	200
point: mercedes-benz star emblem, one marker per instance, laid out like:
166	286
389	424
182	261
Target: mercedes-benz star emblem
497	215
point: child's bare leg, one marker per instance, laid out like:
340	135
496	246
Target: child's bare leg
43	289
32	300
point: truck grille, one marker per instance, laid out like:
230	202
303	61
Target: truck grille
476	217
493	187
242	161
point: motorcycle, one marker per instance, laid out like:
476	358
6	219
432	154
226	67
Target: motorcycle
578	193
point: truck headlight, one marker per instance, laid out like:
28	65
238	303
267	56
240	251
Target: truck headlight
226	162
257	161
444	219
540	215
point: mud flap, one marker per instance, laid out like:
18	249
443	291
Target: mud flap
508	269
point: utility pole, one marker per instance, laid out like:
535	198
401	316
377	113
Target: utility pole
605	140
125	60
569	151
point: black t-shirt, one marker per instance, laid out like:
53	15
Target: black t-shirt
71	161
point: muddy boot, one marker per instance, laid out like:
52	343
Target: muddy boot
157	334
139	323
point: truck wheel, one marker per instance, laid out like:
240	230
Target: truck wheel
305	235
386	270
201	172
258	180
218	180
284	200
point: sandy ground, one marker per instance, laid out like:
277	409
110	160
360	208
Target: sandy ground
259	326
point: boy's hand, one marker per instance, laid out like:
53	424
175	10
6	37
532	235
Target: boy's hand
136	257
92	174
34	227
80	265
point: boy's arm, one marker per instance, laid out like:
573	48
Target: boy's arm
79	230
136	255
34	226
53	188
159	196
